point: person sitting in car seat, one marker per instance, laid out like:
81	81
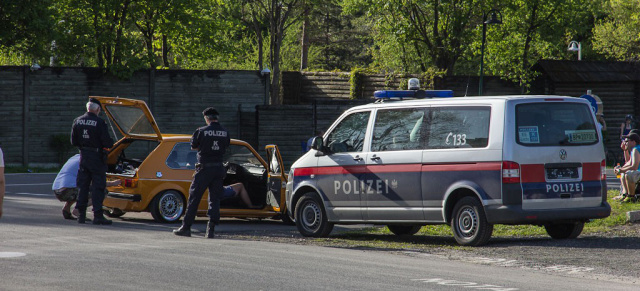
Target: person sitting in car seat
629	172
238	189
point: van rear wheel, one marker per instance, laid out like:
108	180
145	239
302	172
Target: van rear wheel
469	223
564	230
404	229
311	218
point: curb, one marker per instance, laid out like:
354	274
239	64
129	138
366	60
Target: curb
633	216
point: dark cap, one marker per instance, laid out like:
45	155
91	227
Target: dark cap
633	137
210	112
94	100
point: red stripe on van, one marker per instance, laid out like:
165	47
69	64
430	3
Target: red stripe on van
398	168
534	173
591	171
491	166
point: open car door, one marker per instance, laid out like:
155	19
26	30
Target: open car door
132	117
276	179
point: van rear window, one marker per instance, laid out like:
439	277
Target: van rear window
554	123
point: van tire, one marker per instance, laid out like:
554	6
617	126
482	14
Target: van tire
564	230
311	218
167	206
469	223
404	229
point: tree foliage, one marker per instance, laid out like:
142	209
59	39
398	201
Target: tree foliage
618	35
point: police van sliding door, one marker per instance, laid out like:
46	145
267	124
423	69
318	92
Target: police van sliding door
392	182
342	167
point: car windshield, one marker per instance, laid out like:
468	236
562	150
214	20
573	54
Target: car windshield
555	123
131	120
239	154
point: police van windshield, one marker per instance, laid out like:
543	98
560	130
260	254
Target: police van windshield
554	123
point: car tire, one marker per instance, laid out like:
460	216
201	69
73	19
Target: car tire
469	223
404	229
564	230
167	206
114	212
310	216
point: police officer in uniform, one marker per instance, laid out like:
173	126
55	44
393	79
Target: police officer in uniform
89	133
211	142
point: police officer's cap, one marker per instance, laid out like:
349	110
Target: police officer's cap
94	100
210	112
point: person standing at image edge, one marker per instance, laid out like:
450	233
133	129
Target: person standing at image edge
1	181
211	142
90	135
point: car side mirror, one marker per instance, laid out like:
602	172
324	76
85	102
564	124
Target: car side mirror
318	144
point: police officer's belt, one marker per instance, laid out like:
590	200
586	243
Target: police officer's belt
208	165
97	150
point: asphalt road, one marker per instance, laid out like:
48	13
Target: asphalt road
41	251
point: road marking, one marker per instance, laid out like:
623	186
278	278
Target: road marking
470	285
11	255
569	269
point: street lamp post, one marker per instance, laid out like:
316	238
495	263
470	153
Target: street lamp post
495	18
575	46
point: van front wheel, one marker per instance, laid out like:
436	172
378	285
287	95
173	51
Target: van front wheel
311	218
564	230
469	223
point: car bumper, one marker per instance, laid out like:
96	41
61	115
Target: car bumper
122	196
514	214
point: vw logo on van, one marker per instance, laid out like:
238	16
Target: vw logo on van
563	154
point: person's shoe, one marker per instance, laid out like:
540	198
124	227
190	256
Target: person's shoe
211	229
102	221
629	199
82	218
67	215
182	231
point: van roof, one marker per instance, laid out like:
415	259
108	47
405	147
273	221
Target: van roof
468	100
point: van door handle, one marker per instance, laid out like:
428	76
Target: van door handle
375	158
357	158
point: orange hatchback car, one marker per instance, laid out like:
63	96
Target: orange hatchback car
156	170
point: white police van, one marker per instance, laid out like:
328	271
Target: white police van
470	162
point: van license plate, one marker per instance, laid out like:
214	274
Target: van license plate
562	173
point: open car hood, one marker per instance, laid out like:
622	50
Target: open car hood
132	117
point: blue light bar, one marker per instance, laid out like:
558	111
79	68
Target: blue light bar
400	94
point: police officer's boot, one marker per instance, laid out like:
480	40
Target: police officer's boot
182	231
98	218
82	215
211	227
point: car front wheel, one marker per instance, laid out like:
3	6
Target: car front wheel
167	206
311	218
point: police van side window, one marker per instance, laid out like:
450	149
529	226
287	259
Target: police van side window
348	135
398	129
458	127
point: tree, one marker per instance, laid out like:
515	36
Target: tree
618	35
26	27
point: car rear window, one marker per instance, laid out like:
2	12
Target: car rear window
555	123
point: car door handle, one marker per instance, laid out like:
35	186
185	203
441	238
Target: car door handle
375	158
357	158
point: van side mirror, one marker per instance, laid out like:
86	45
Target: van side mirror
316	143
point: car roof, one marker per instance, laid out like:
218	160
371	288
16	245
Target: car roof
464	101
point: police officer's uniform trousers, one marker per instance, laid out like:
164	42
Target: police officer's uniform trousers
91	176
209	175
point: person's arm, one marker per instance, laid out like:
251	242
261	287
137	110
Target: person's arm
604	123
633	163
621	130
